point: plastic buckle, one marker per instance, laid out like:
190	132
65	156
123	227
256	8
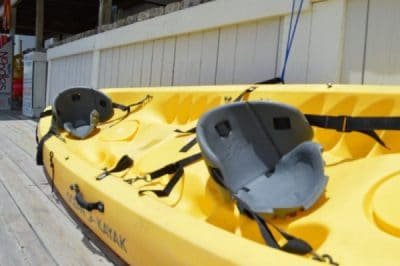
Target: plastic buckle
343	122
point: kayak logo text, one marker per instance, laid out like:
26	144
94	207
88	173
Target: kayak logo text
103	227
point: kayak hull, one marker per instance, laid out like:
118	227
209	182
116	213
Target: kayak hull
198	223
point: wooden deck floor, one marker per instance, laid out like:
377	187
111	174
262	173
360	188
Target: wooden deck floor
35	228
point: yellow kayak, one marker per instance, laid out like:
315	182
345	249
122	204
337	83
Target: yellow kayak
356	221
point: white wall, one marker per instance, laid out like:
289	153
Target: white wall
28	42
235	41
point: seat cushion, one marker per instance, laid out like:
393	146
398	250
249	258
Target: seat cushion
297	182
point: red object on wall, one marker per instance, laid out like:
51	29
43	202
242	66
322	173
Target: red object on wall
17	89
3	39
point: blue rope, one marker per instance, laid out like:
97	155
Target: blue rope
291	34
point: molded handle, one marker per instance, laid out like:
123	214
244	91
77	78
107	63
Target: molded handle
89	206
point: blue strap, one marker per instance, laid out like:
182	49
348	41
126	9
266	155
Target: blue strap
291	34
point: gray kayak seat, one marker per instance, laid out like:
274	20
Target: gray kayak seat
262	153
79	110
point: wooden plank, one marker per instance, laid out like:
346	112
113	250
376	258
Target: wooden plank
19	244
226	55
137	65
326	44
244	53
181	51
56	233
355	35
146	64
192	75
26	164
157	63
19	136
168	63
382	62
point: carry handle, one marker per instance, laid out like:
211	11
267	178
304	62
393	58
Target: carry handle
89	206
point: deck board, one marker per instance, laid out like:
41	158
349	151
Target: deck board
35	227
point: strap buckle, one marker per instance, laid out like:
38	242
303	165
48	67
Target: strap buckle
146	178
337	122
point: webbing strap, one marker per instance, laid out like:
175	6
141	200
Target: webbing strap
352	123
189	131
276	80
245	94
42	114
40	143
124	163
46	113
188	145
39	149
176	168
363	124
293	245
127	108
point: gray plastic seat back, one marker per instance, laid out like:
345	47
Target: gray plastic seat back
244	140
78	110
262	153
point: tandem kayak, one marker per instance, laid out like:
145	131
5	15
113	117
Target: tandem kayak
110	172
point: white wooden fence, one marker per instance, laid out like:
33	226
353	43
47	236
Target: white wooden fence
237	41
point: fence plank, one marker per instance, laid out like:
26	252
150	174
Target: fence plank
244	52
156	66
168	63
192	76
209	55
181	62
327	33
382	63
226	55
137	65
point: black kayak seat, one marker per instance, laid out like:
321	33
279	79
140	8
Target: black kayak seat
262	153
79	110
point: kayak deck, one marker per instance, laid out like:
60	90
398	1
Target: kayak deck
35	228
354	222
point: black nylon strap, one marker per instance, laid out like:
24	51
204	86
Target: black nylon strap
173	167
189	145
362	124
127	108
124	163
46	113
276	80
293	245
354	123
39	148
176	168
244	94
189	131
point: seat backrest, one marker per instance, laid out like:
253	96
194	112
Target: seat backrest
241	141
75	107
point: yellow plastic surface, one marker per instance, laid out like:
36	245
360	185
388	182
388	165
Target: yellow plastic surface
386	208
356	221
